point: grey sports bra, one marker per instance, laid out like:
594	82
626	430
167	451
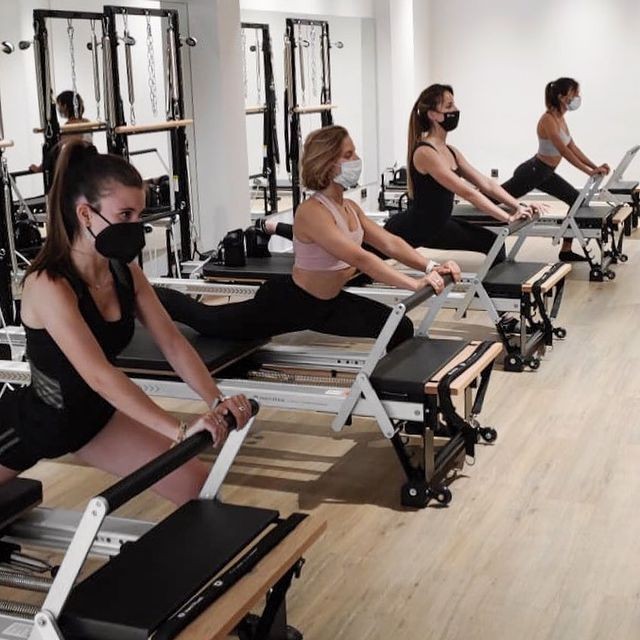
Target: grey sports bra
547	148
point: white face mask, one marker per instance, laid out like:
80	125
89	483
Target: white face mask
349	174
574	103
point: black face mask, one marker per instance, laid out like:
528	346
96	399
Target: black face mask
121	241
451	119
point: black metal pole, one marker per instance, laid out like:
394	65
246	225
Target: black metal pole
179	151
116	142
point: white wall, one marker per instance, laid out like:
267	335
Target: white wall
499	54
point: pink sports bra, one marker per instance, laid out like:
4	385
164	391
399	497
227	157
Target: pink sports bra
311	256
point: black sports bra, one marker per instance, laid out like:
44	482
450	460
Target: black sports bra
431	200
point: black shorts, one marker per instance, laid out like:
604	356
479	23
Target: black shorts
31	430
14	452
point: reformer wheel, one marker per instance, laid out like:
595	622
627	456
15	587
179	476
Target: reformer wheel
513	362
623	257
488	434
596	275
533	363
611	275
560	332
442	495
415	494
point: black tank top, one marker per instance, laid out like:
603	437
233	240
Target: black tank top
432	203
59	412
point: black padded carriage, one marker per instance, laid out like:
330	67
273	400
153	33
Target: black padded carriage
130	596
143	356
17	497
275	266
505	279
402	373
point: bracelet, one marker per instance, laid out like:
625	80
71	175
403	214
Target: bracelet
431	265
182	432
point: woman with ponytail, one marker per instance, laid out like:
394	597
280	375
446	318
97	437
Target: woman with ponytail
437	173
81	296
554	143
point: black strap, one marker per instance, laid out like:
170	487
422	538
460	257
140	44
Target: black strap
455	422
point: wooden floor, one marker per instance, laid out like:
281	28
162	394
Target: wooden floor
542	538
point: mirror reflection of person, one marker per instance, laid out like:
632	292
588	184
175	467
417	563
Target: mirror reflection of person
67	111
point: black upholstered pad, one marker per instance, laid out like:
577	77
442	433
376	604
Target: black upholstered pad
470	214
506	278
143	355
255	269
626	188
138	589
593	217
18	496
403	372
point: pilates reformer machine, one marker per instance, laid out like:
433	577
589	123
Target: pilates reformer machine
410	392
116	42
393	195
589	223
306	46
256	44
196	574
532	291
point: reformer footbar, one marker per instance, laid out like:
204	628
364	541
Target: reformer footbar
130	597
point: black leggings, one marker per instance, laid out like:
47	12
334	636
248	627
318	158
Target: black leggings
280	306
453	234
535	174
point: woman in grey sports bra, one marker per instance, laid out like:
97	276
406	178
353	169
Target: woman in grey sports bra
554	143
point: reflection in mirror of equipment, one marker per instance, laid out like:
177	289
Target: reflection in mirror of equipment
178	209
112	63
260	99
307	77
20	237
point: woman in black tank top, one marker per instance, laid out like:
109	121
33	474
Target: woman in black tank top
81	296
437	173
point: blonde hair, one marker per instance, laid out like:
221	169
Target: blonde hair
320	154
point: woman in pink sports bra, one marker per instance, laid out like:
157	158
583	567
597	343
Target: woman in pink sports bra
328	234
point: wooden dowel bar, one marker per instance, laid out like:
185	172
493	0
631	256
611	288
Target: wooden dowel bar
132	129
318	108
78	127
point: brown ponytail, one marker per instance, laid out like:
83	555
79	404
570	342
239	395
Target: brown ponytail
557	88
419	122
80	172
